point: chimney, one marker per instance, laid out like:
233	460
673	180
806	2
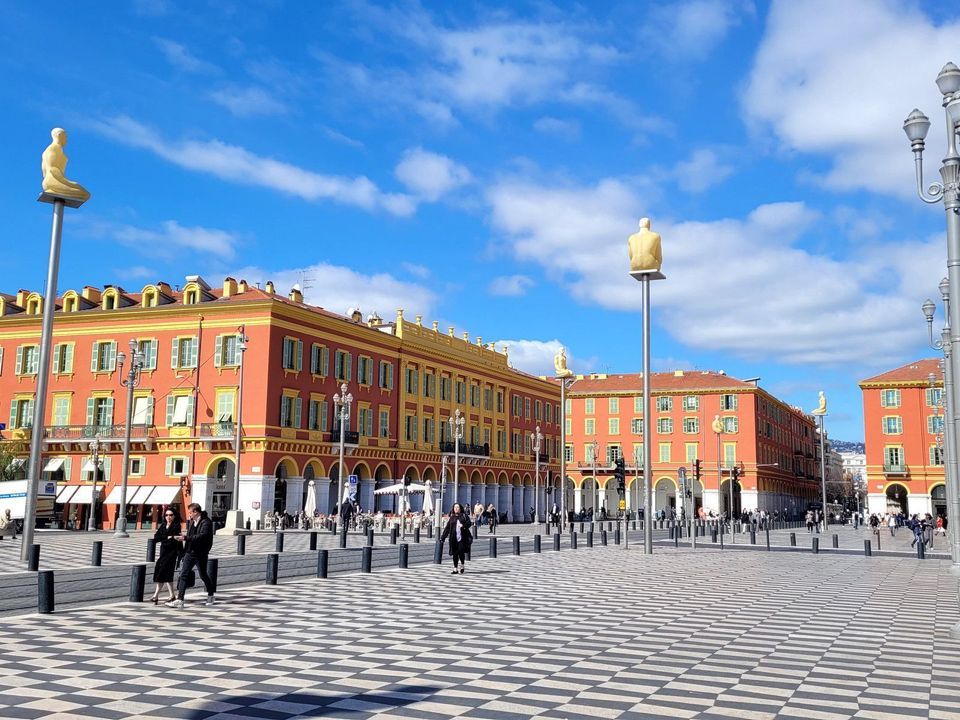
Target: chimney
22	297
229	287
242	287
91	293
295	294
268	288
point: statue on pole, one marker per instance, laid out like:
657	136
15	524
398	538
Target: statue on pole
560	364
822	407
645	252
53	165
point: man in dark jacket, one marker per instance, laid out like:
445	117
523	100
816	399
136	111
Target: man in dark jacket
197	542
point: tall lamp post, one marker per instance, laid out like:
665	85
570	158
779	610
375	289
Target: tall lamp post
443	483
94	448
717	427
596	486
61	193
131	381
820	412
457	422
342	402
535	439
565	375
235	516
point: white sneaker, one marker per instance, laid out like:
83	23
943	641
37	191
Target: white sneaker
178	604
209	600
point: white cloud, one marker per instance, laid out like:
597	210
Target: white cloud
743	286
838	79
702	171
419	271
239	165
510	285
566	129
429	175
691	30
339	288
136	272
536	356
178	55
164	241
248	101
339	137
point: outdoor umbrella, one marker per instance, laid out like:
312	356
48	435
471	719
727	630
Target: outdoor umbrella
428	499
310	506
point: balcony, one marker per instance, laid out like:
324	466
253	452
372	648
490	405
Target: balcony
894	469
466	449
85	433
350	437
217	430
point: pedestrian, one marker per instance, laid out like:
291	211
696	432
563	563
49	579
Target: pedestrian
892	524
167	537
478	514
940	529
458	530
492	518
197	541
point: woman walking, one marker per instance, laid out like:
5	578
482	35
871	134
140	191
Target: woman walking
170	550
458	529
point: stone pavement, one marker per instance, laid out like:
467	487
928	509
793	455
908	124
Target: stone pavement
591	633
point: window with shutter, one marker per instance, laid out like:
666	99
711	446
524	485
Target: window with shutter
298	407
218	351
175	353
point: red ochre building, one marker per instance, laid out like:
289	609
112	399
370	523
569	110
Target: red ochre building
903	424
775	446
406	380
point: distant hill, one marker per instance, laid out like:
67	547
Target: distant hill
847	446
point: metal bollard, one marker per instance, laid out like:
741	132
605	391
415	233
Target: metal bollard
867	550
836	540
241	544
96	553
581	527
603	537
438	552
366	559
676	539
259	525
151	550
878	542
429	531
493	547
33	557
248	524
616	535
45	596
816	546
393	535
313	540
404	555
333	528
921	550
323	563
138	576
573	541
721	538
213	572
634	524
713	534
753	534
516	544
793	539
416	534
589	538
273	568
343	538
279	547
767	531
536	543
556	542
370	537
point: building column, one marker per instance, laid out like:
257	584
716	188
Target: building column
711	501
365	494
505	500
322	488
294	495
577	498
516	492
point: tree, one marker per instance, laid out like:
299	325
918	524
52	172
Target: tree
10	451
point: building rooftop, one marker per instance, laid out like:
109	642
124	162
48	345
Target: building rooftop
662	382
914	373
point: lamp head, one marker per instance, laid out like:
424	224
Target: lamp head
916	126
928	309
944	288
948	81
932	379
121	358
953	109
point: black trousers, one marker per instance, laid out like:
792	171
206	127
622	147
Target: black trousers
458	553
200	563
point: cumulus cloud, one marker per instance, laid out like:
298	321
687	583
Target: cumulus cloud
536	356
510	285
703	170
429	175
179	55
167	239
566	129
838	79
691	30
248	101
741	285
236	164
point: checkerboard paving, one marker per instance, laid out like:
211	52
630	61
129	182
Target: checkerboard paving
576	635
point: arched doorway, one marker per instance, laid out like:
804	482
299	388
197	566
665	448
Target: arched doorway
280	489
725	497
665	496
220	477
897	499
386	503
938	499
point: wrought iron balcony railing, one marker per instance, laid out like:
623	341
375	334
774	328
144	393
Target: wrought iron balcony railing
104	432
350	437
895	468
218	430
466	448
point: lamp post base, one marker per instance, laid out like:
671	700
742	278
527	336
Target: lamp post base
234	524
121	530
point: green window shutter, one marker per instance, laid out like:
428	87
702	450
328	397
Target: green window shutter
297	411
299	355
348	366
18	366
190	410
390	376
171	404
108	410
13	414
323	416
175	354
57	352
312	415
152	355
112	356
285	361
93	356
149	418
284	412
194	347
68	361
90	407
218	351
166	467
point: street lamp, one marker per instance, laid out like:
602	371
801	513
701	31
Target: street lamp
820	413
242	341
341	402
596	486
565	382
457	422
94	448
717	427
535	438
131	381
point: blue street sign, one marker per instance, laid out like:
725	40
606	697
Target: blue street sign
352	479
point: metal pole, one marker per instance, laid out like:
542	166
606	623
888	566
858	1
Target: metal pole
43	373
120	530
563	454
340	468
951	467
91	519
536	473
443	482
823	475
647	443
456	459
241	348
596	488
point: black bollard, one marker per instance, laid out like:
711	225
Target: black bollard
767	531
366	559
493	547
241	544
370	537
323	563
721	538
404	558
259	525
589	538
248	524
713	534
516	544
816	546
536	543
429	531
438	552
793	539
313	540
676	539
333	528
151	550
634	524
273	567
33	557
279	547
603	537
416	534
573	541
836	540
96	553
867	550
878	542
393	535
581	527
45	599
138	576
921	550
343	537
753	534
556	542
213	572
616	535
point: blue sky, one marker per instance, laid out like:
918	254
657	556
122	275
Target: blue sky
483	165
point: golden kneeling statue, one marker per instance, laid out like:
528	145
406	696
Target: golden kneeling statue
560	364
717	424
53	164
645	252
822	407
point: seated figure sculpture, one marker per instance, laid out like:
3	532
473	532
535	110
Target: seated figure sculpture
560	364
53	164
645	252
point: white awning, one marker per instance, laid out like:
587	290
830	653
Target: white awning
88	466
163	495
139	496
84	495
114	497
66	492
53	465
17	463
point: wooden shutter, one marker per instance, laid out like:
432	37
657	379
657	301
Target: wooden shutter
91	402
296	414
112	356
175	353
57	352
93	357
218	351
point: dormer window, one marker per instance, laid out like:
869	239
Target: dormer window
70	304
149	299
191	297
33	306
110	302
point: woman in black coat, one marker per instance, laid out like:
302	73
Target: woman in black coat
458	529
170	550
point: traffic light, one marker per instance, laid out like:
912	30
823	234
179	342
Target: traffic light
696	469
620	473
